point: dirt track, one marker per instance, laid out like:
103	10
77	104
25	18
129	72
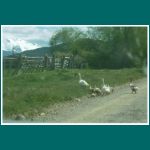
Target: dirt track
119	107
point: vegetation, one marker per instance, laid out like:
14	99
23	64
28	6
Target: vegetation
99	47
105	51
103	47
31	92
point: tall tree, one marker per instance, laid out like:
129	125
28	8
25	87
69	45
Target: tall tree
65	36
104	47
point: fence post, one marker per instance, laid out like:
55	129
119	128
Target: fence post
46	61
53	62
19	61
71	62
62	61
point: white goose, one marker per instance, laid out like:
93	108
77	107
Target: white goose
82	82
105	88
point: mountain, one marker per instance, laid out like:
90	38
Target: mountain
37	52
6	53
30	53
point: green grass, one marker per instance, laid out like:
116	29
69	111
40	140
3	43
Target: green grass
25	93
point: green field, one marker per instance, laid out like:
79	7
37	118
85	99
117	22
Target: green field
29	93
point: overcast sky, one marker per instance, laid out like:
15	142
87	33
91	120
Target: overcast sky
27	37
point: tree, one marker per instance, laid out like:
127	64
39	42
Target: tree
65	36
104	47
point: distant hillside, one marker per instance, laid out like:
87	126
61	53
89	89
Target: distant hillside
61	48
6	53
37	52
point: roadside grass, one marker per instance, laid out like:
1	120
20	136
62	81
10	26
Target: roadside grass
30	93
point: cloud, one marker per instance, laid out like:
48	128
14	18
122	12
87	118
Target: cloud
26	36
22	44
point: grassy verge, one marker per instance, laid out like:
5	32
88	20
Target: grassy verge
31	92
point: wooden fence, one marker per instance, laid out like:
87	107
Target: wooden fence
27	64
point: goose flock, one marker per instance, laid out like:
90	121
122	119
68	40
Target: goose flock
105	89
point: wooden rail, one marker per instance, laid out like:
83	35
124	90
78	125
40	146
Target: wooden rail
36	63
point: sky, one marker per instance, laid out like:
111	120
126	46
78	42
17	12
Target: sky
27	37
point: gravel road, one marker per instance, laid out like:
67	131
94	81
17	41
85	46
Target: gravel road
120	107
